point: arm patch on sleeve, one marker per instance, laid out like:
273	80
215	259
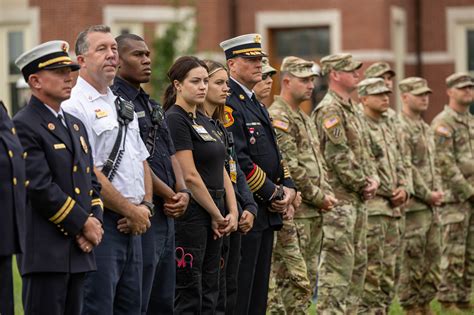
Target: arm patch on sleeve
280	124
228	118
331	122
334	129
443	131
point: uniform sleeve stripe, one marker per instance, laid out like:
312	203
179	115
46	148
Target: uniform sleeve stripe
258	184
249	175
257	177
97	202
66	212
257	181
62	209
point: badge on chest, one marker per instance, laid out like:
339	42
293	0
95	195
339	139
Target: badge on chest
202	132
233	171
252	138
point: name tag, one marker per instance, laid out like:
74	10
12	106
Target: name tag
256	123
58	146
141	114
101	114
203	133
233	171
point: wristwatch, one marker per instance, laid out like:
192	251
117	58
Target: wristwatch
185	190
150	206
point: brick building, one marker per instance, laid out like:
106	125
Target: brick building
430	38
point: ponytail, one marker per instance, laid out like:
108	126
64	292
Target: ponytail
169	98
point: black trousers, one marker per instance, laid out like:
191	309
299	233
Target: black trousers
6	286
254	272
51	293
159	268
197	256
229	269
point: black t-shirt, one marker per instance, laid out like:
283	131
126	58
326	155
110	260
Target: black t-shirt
200	136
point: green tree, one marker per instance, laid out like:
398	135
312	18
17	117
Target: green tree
166	51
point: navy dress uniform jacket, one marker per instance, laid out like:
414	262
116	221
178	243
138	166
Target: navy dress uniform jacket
62	192
12	187
257	152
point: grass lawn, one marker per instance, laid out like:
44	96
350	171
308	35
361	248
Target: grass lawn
17	288
394	310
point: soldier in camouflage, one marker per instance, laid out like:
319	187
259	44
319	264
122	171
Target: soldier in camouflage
383	71
454	137
263	88
384	212
299	241
420	266
353	177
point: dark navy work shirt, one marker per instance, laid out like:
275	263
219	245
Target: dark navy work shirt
160	158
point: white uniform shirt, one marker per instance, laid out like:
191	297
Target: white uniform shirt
249	93
99	115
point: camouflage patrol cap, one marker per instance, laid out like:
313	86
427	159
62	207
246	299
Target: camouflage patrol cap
414	85
266	68
372	86
459	80
378	69
298	67
339	62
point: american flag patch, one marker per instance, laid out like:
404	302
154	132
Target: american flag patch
331	122
280	125
444	131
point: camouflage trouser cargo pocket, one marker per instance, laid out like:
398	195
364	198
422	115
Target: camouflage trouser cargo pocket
457	259
419	277
337	259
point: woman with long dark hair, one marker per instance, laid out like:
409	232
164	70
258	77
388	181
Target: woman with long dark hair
201	156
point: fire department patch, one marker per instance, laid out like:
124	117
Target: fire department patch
228	118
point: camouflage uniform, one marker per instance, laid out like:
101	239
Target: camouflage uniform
420	267
454	137
383	233
343	142
301	237
379	70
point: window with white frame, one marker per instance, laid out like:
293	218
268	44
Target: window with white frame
470	50
460	36
13	38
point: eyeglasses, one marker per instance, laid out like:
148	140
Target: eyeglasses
266	75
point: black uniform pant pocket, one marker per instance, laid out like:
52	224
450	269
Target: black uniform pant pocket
197	258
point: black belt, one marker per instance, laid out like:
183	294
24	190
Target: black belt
217	193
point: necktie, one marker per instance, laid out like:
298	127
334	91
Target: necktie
255	101
61	119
